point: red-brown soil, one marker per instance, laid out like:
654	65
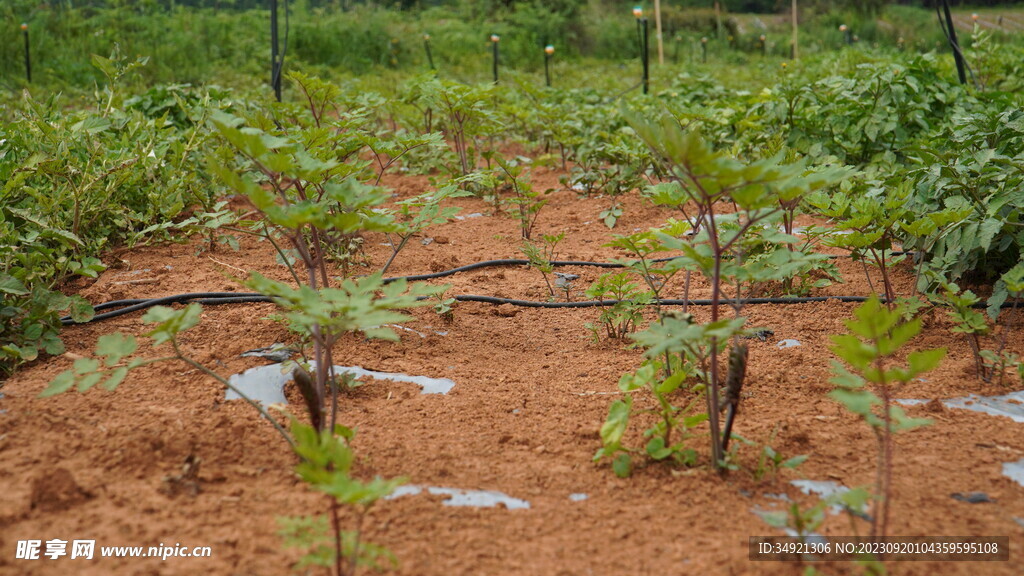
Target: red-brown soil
532	390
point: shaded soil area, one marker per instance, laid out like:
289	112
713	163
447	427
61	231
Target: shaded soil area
166	460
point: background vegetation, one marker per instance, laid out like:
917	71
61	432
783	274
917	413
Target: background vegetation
227	41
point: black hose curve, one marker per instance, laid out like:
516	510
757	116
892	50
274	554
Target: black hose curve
121	307
522	262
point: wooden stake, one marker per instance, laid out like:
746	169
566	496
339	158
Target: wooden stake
796	44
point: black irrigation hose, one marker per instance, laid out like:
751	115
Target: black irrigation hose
506	262
662	302
522	262
121	307
212	298
134	305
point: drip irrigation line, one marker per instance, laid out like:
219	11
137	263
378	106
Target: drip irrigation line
559	263
506	262
136	304
662	302
121	307
212	298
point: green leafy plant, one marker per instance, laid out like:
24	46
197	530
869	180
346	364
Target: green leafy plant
666	438
463	114
641	246
622	318
868	218
119	358
878	333
707	177
443	306
525	202
418	213
30	321
974	325
804	523
326	466
771	256
770	460
677	360
77	183
541	255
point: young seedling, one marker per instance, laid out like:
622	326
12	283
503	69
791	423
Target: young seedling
708	178
868	219
877	333
541	256
621	319
326	460
975	327
444	307
525	201
770	461
666	439
417	214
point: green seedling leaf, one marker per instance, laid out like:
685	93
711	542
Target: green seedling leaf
622	465
84	366
62	383
81	310
115	347
11	285
89	380
615	425
794	461
656	448
925	360
116	376
858	402
171	322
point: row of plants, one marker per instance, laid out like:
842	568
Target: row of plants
80	183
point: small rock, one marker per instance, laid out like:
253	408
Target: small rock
427	241
972	497
788	343
441	239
